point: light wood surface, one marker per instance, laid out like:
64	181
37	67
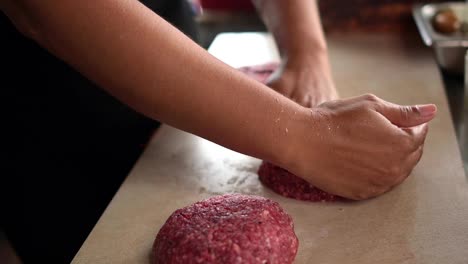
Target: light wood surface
424	220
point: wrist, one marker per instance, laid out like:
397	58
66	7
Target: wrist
302	127
310	144
300	60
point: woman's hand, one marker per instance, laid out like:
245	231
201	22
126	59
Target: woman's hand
306	81
359	147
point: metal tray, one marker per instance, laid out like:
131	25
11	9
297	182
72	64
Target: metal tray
449	49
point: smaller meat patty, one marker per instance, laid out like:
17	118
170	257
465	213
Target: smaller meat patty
232	228
289	185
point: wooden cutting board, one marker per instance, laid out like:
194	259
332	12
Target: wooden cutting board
424	220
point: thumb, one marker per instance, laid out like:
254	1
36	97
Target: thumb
408	116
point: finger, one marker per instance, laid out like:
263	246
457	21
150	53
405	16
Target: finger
407	116
296	99
417	135
371	191
409	164
303	100
308	101
274	77
277	87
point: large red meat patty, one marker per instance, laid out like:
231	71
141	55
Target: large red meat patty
231	228
289	185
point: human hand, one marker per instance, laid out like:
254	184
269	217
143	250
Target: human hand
360	147
306	81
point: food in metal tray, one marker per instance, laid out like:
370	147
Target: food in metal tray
446	22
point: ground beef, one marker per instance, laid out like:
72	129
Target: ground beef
289	185
231	228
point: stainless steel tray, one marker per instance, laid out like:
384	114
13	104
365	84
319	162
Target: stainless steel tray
449	49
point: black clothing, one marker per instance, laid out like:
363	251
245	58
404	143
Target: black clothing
67	144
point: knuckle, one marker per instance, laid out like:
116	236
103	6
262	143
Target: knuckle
364	195
359	196
368	193
405	112
394	172
378	191
371	97
385	181
413	109
407	143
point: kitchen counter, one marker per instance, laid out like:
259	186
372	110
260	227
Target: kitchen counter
424	220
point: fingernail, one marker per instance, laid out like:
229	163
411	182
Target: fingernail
427	110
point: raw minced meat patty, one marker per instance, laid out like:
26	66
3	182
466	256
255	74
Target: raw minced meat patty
232	228
289	185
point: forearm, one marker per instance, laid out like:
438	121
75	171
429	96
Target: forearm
145	62
305	73
295	25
